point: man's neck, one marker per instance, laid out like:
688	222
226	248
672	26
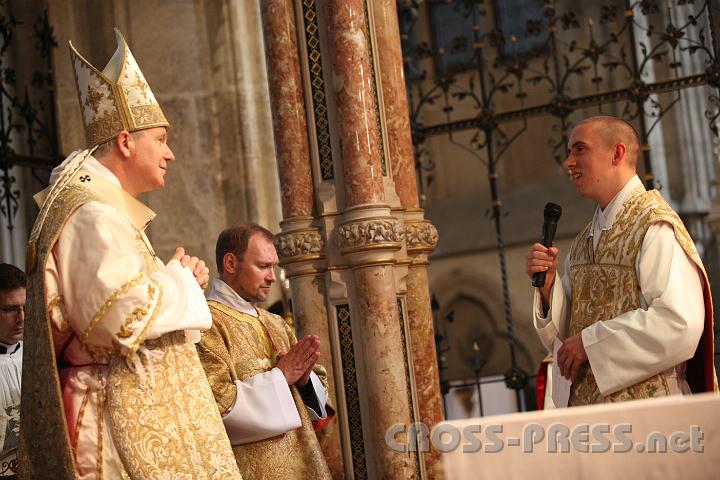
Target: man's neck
115	166
617	188
224	293
237	291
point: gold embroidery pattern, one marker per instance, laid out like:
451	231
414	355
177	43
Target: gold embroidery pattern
43	426
81	414
178	409
605	284
151	320
234	338
58	302
147	115
93	99
100	420
148	257
169	428
262	336
116	97
119	293
103	129
140	85
126	329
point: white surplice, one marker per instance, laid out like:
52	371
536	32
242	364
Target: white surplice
10	375
661	334
10	382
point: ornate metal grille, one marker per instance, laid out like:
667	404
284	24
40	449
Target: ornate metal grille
478	76
28	131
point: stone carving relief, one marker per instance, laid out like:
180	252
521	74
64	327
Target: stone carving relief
368	233
421	236
298	244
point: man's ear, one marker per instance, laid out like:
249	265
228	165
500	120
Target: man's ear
619	154
230	262
124	143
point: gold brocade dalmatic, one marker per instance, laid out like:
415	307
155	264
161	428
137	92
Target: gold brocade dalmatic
605	285
43	428
164	422
237	347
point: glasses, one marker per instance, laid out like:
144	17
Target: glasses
12	309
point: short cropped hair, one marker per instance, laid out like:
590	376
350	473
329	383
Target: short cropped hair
614	130
11	277
235	240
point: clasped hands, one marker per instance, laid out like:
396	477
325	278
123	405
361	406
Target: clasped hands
198	268
297	364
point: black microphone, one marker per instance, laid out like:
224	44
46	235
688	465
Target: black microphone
552	215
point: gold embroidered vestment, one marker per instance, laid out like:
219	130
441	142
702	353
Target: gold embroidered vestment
161	411
605	285
237	347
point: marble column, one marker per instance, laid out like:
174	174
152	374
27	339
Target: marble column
300	244
397	119
368	237
288	109
420	235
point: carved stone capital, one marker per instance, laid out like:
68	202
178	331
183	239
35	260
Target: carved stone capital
298	246
420	237
370	234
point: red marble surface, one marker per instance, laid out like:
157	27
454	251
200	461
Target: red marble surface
383	373
397	124
351	67
288	108
397	119
422	344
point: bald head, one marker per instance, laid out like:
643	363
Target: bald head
614	130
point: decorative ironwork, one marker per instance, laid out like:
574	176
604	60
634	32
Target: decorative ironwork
581	64
319	103
27	114
352	397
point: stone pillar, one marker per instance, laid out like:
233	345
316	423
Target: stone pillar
368	237
299	245
351	248
420	235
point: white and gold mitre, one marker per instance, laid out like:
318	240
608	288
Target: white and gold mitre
118	98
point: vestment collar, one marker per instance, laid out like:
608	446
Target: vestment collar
603	219
97	178
6	349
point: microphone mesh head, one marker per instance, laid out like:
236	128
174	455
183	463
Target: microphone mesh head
553	210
